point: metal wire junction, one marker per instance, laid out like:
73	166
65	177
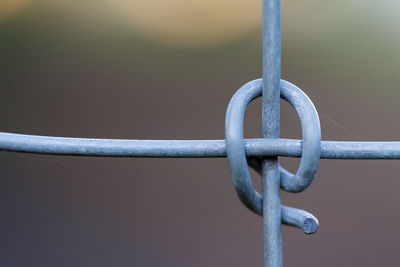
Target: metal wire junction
240	151
261	154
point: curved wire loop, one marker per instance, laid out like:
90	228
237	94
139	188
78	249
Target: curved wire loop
310	151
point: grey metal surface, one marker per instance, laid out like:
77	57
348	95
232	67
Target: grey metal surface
239	151
191	148
271	72
237	157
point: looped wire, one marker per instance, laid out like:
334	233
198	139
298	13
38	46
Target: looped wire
238	162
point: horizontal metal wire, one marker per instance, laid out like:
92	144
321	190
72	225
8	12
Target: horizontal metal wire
190	148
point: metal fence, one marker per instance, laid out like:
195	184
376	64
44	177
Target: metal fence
261	154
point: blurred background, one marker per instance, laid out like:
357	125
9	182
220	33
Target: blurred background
166	70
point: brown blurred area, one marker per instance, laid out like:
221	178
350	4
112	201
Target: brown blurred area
73	69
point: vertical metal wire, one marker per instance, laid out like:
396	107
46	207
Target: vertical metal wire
270	129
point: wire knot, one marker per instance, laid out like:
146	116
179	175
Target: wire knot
238	162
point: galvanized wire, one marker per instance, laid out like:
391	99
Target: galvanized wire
256	147
236	151
271	74
248	151
261	153
240	152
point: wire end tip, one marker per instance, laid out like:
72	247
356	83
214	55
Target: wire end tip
310	226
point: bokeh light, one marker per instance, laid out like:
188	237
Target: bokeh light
311	18
10	7
195	23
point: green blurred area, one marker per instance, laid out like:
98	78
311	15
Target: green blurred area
339	40
342	48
